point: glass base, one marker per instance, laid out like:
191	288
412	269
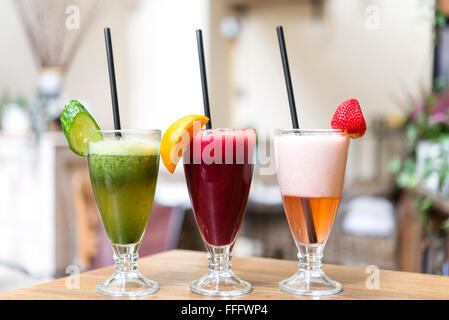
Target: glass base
127	284
310	283
220	283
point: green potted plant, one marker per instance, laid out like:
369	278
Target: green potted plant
427	162
427	129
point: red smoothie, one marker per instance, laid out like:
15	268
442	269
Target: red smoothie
219	168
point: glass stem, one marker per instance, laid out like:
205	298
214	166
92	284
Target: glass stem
310	257
219	258
125	257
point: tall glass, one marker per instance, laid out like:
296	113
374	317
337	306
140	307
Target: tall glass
123	169
311	168
219	167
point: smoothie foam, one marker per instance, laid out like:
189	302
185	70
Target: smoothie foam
124	146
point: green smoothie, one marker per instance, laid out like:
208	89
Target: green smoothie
123	173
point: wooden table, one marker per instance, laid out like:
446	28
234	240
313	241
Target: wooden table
175	269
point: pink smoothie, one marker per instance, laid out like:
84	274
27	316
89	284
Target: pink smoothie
311	165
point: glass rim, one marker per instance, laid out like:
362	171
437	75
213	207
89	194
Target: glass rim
280	131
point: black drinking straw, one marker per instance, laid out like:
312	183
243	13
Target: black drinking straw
199	40
113	85
305	203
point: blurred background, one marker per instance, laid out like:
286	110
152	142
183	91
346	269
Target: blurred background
393	56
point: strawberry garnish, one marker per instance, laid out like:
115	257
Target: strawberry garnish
349	118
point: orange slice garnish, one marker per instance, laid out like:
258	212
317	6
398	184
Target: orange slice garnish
177	138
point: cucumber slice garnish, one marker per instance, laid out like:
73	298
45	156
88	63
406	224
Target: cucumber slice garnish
79	127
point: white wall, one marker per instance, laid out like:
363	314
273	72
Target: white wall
155	59
87	77
18	74
164	72
331	59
